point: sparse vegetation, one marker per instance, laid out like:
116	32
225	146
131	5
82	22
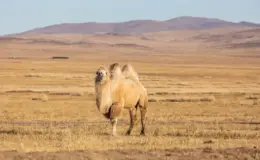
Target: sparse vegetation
195	101
69	120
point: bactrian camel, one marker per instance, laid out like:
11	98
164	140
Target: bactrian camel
119	88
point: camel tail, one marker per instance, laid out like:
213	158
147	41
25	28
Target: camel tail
143	102
146	101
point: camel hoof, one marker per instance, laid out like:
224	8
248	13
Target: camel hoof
142	133
114	134
128	133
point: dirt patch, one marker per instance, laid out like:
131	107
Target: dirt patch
203	153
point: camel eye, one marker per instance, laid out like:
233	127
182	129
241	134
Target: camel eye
98	73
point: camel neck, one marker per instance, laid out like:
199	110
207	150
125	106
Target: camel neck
103	96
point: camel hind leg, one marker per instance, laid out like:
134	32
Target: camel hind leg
133	119
143	110
143	117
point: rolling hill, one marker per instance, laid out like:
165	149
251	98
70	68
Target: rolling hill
139	26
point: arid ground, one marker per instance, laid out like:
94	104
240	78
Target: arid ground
204	95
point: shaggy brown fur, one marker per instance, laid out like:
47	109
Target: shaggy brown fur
115	92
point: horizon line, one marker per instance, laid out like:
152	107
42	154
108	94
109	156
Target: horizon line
138	19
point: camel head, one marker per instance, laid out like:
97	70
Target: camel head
102	75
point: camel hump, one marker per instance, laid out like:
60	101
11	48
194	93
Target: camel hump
114	66
129	72
115	71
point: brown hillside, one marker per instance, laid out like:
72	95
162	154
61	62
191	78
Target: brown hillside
138	26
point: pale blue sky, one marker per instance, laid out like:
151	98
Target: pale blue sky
21	15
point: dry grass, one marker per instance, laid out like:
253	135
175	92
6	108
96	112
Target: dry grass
195	101
41	117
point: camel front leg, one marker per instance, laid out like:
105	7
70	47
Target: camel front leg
114	113
114	123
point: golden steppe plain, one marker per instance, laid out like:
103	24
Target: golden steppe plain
204	97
